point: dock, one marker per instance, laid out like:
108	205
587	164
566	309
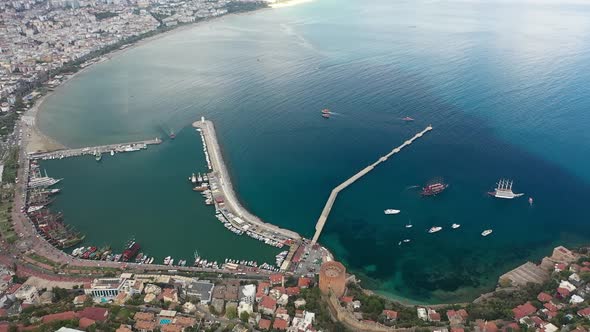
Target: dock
92	150
224	192
328	207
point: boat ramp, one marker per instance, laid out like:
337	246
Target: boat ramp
93	150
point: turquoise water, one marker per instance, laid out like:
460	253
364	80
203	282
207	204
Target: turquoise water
505	86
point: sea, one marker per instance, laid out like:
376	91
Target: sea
505	85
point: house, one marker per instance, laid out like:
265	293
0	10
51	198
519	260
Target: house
299	303
576	299
549	328
550	306
562	293
171	328
27	294
283	300
584	312
544	297
85	323
549	314
267	305
390	315
94	313
303	321
346	299
124	328
422	314
201	289
280	324
276	279
356	305
567	285
170	295
560	267
121	298
145	326
185	321
433	316
303	282
148	316
282	314
485	326
457	317
264	324
524	310
262	290
512	327
80	299
291	291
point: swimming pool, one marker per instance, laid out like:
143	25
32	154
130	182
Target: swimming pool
164	321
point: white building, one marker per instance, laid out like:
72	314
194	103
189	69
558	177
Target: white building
107	289
28	294
248	293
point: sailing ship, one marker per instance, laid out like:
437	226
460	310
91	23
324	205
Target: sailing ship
504	190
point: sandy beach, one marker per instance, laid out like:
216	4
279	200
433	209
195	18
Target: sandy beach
288	3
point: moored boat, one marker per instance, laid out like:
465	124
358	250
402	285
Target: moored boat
434	229
504	190
434	188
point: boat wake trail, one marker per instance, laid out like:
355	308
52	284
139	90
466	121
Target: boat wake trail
412	187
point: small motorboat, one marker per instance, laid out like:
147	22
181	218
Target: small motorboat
486	232
434	229
455	226
391	211
407	119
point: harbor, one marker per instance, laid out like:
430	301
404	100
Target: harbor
95	150
228	208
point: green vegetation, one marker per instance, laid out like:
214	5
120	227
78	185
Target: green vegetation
6	228
105	15
244	316
316	304
240	7
10	166
231	313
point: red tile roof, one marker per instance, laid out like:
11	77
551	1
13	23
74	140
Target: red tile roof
512	326
280	324
67	315
544	297
347	299
584	312
434	316
94	313
268	303
564	292
523	310
550	314
276	278
13	288
487	326
85	322
550	306
390	314
303	282
264	324
292	291
538	321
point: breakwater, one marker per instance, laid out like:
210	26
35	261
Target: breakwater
224	192
93	150
328	207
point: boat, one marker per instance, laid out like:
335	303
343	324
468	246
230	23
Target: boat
486	232
98	156
193	178
391	211
455	226
167	260
434	229
325	111
202	187
407	240
434	188
172	135
32	209
112	153
504	190
530	201
407	119
409	224
326	115
200	178
130	252
399	243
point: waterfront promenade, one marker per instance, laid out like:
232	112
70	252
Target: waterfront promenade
230	199
328	207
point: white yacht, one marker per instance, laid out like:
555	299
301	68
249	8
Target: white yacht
434	229
391	211
486	232
455	226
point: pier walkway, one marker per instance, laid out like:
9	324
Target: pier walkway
328	207
231	201
121	147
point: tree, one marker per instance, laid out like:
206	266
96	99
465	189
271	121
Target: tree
244	316
231	313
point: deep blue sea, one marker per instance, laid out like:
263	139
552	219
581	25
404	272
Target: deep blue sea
505	84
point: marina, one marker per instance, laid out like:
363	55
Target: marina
95	151
229	211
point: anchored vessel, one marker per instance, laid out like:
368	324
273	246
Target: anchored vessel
434	229
391	211
486	232
504	190
455	226
434	189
